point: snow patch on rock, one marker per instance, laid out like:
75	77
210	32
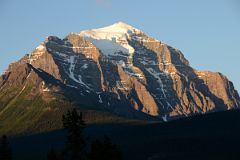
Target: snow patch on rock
40	47
159	80
164	118
112	39
36	54
85	66
100	99
72	63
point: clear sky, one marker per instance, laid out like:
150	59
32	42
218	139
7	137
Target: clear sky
206	31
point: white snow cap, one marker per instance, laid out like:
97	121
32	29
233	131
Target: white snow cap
119	29
112	39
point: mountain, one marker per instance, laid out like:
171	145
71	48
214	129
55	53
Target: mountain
116	70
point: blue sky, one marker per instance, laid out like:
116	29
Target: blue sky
206	31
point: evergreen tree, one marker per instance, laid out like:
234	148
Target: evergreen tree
105	150
74	124
5	150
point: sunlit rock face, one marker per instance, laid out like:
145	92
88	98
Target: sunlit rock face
122	70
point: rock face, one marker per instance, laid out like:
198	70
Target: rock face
120	69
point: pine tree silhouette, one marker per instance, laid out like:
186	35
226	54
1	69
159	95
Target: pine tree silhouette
75	146
105	150
5	150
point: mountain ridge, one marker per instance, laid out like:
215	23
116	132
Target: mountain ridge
120	69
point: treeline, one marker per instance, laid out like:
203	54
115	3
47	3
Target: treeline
77	146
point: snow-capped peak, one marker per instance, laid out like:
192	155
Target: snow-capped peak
112	39
117	29
120	28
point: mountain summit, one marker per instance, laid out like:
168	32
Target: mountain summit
112	39
117	69
119	27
